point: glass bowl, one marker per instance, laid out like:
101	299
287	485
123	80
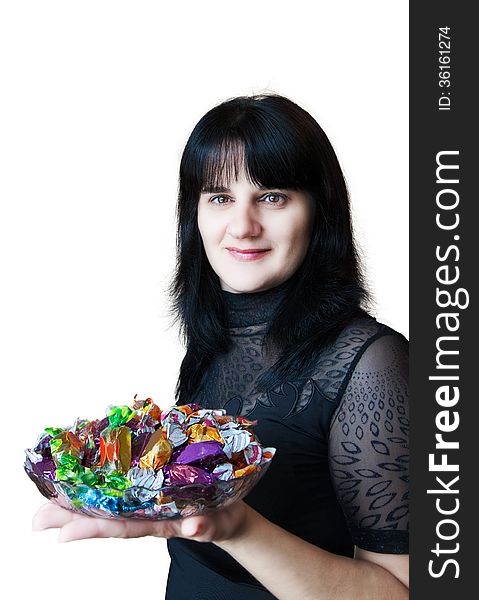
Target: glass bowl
167	502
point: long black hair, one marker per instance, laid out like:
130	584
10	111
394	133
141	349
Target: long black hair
279	145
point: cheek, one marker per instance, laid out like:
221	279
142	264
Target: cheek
211	230
295	234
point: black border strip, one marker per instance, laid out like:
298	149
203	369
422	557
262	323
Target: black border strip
437	126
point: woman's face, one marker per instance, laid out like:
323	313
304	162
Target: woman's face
254	238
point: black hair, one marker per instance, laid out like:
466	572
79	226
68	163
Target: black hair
279	145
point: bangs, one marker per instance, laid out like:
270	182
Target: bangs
221	165
269	158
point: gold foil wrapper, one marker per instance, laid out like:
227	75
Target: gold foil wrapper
162	498
239	461
203	433
246	471
157	452
185	409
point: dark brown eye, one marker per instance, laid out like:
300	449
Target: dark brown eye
220	200
274	198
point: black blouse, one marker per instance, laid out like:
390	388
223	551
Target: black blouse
340	474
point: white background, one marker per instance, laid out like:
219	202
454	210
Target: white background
97	103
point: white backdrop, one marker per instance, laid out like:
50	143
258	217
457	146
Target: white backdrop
98	100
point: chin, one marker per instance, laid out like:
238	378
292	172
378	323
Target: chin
245	287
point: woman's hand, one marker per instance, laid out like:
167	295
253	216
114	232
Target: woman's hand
224	524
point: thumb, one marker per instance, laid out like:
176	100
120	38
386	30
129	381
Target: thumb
192	526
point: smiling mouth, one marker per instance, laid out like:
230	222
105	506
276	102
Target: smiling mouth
248	254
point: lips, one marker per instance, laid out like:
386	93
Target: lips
248	253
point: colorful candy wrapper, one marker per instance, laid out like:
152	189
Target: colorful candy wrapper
120	415
207	416
138	444
224	472
142	423
115	449
245	471
148	408
88	432
43	466
236	439
42	445
175	434
157	452
184	474
174	415
253	453
167	510
146	478
203	433
65	443
202	454
268	455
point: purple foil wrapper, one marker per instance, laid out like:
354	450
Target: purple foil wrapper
176	474
202	454
43	467
138	445
141	424
43	446
90	456
102	424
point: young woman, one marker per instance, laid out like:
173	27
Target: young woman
270	298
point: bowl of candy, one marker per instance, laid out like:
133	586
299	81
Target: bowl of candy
145	463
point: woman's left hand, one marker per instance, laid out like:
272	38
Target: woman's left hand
223	524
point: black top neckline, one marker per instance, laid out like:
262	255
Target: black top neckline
253	308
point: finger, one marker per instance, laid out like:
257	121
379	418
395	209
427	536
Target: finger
51	515
201	528
91	527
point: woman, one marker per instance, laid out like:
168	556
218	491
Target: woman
270	299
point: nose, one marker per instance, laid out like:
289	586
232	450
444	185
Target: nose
243	222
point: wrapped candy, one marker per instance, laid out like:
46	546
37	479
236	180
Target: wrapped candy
138	445
65	442
183	474
173	415
253	453
202	454
148	408
236	438
88	432
43	467
115	449
69	467
147	463
203	433
157	452
167	509
146	478
175	434
245	470
224	471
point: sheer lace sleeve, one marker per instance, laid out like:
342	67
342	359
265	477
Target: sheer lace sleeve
369	449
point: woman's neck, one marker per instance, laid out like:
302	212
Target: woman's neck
251	308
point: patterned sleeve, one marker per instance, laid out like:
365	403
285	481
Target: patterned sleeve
369	449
